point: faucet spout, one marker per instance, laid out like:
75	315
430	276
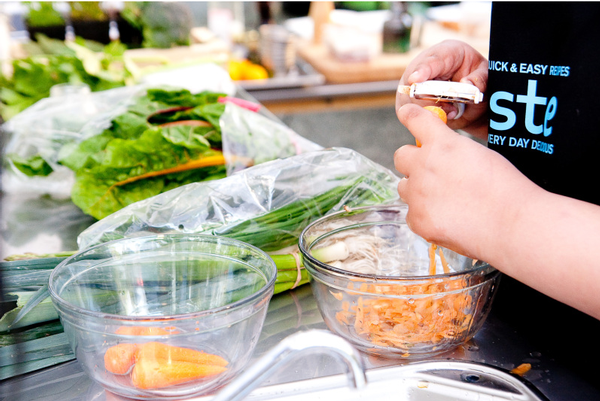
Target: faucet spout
312	341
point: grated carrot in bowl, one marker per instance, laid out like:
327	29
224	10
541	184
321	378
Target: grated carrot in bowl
410	316
391	293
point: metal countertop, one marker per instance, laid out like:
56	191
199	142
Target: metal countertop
497	345
41	224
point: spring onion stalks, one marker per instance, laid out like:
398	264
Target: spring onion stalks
281	227
33	322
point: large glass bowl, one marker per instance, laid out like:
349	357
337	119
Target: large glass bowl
374	284
165	316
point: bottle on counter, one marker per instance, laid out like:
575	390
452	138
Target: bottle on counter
397	30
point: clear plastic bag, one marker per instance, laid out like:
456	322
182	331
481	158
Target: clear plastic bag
267	205
52	124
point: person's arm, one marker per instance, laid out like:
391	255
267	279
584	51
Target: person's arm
457	61
468	198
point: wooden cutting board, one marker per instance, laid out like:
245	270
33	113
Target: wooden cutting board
383	67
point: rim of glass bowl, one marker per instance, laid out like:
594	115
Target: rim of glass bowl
305	249
242	302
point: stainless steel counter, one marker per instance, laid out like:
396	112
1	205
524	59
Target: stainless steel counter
497	345
563	362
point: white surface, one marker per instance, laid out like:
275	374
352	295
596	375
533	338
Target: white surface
196	78
365	21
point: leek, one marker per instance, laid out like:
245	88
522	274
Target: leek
33	355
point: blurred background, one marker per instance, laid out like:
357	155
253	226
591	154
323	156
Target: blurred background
328	70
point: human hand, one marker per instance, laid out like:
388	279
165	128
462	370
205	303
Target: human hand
451	60
459	192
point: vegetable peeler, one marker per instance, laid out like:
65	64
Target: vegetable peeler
444	91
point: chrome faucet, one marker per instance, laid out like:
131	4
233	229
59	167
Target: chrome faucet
312	341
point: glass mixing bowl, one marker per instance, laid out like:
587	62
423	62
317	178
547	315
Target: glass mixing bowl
165	316
387	290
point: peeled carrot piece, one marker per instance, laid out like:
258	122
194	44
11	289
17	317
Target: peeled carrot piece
444	262
155	350
119	358
521	369
151	373
432	248
439	112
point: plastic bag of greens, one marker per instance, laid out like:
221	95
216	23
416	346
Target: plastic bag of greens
36	136
109	149
267	205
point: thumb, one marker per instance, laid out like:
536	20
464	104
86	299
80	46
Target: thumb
421	122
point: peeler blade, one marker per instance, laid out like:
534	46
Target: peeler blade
443	91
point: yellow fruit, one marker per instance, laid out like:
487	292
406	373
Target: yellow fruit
236	69
255	71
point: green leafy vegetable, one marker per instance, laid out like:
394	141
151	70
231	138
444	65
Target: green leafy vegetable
43	14
53	62
32	166
163	24
141	155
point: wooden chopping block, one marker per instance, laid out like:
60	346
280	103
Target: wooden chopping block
384	67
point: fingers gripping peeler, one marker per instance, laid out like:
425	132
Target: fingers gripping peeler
444	91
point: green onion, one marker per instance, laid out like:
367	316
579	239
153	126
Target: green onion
44	345
282	227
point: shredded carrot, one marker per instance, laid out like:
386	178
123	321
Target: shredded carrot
521	369
444	262
432	248
337	295
406	323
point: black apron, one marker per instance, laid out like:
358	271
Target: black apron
543	89
544	79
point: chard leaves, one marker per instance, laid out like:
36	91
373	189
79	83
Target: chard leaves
147	150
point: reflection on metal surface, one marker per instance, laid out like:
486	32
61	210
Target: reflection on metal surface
313	341
40	224
497	344
433	380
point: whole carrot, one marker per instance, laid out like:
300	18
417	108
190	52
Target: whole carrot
157	373
119	358
155	350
